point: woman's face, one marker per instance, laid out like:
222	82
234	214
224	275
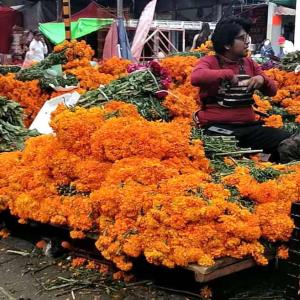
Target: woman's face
240	45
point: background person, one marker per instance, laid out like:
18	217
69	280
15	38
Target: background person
286	47
266	50
202	36
37	50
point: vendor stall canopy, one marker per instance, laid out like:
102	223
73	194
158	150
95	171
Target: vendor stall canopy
55	32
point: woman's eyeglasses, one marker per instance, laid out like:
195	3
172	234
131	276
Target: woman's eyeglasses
244	38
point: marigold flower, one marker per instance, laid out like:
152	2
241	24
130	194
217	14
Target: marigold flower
283	252
78	262
4	233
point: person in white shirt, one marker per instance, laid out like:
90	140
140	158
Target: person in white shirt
286	47
37	50
38	47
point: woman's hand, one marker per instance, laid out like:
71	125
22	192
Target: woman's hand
255	83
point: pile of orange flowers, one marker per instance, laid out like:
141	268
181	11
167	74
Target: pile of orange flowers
115	66
274	121
273	198
90	78
77	63
75	50
145	187
79	55
287	97
283	78
179	67
27	93
288	94
182	99
262	105
206	48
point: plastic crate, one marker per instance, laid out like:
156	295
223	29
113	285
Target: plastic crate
292	268
296	219
294	244
296	233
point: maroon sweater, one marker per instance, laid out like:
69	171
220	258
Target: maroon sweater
207	75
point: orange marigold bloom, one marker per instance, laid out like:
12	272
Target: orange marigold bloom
183	100
206	293
74	234
274	121
179	67
283	252
115	66
90	77
4	233
27	93
92	265
206	48
78	262
118	275
75	50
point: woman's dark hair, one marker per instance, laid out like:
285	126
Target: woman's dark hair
227	30
36	33
203	34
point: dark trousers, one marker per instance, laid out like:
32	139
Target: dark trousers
254	135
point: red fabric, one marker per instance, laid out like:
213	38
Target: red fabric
281	40
8	18
93	10
207	75
111	42
277	20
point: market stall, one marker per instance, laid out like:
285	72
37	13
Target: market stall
126	164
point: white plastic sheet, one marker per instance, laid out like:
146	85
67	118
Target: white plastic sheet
41	122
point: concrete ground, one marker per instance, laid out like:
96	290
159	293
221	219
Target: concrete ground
27	274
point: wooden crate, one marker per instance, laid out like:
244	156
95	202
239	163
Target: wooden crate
222	267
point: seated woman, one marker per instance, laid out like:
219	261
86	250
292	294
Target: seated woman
226	101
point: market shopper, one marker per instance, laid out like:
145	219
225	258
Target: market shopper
37	50
285	47
224	111
201	37
267	50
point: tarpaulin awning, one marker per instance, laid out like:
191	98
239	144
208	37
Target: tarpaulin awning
55	32
93	10
289	3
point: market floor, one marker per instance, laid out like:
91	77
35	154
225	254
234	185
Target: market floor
27	274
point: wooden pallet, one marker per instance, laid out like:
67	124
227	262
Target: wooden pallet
222	267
